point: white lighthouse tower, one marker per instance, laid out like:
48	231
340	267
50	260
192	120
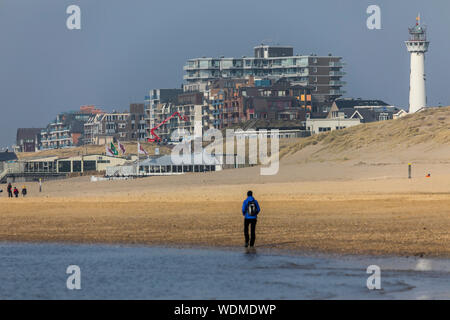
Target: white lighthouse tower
417	45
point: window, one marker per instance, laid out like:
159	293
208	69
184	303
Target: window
89	165
76	166
64	166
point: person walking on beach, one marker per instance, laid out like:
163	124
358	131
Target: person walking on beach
24	191
250	210
9	188
16	192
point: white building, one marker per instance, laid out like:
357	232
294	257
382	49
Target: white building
330	124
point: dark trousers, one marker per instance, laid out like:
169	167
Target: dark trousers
10	194
252	224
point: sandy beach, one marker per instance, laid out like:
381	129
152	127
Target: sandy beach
386	216
325	198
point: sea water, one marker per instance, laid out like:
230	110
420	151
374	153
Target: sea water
38	271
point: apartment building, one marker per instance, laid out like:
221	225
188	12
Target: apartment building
188	114
57	135
67	129
137	125
322	73
226	101
107	127
281	101
124	126
234	101
156	97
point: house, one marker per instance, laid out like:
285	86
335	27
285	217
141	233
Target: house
400	114
364	110
28	139
7	156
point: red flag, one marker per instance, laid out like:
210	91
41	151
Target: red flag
141	150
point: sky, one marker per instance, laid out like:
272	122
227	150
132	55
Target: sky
127	47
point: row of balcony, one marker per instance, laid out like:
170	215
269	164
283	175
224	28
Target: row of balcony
289	73
54	130
56	138
260	64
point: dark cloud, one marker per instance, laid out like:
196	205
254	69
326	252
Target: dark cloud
126	48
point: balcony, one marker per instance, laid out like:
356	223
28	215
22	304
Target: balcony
189	77
337	83
337	92
294	74
336	64
337	73
188	67
196	67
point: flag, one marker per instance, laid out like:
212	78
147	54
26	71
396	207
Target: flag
121	147
109	151
141	150
113	149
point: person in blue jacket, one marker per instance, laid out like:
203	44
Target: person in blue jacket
250	210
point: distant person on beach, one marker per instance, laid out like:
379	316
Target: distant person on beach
250	210
9	188
24	191
16	192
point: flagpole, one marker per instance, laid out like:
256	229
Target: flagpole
137	168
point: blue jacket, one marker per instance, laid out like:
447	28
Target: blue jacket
244	208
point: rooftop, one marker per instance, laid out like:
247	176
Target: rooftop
7	156
352	103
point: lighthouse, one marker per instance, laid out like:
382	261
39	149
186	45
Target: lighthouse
417	45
